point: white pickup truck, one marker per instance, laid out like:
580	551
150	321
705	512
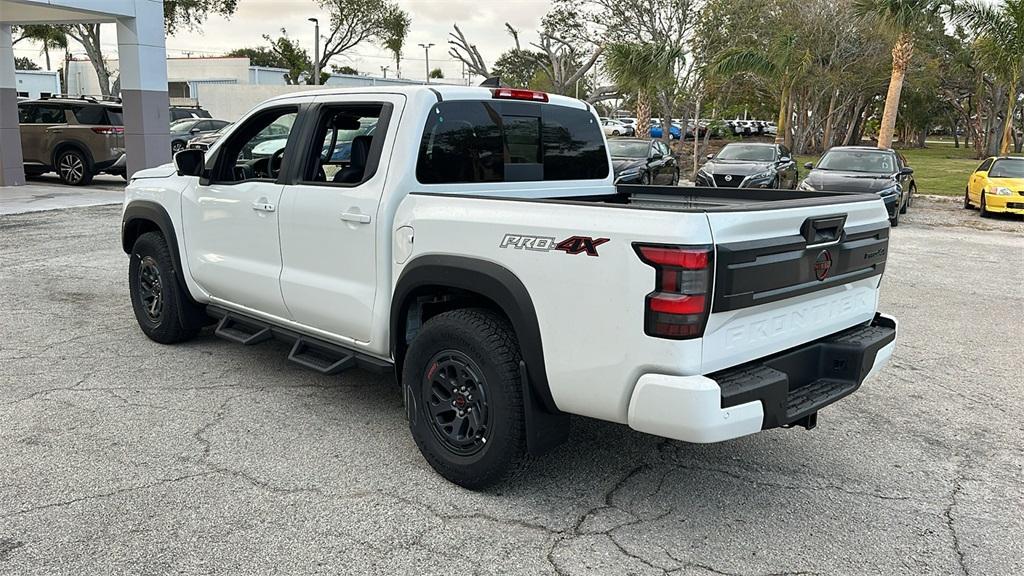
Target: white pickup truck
472	241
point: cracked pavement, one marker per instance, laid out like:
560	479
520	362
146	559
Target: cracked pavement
122	456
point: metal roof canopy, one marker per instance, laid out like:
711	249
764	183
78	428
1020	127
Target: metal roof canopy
64	11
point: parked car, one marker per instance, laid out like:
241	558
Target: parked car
183	112
640	161
437	255
674	131
75	137
749	165
204	141
865	169
615	128
184	130
997	186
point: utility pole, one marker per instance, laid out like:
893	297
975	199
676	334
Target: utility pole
426	52
316	51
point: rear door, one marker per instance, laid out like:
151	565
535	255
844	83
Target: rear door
42	123
329	217
786	276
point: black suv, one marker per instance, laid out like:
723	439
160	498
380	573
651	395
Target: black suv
75	137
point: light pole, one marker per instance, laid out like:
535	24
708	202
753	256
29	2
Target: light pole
384	69
426	52
316	51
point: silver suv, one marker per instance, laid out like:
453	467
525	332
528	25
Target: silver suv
75	137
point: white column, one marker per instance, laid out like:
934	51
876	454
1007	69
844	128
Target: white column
142	59
12	169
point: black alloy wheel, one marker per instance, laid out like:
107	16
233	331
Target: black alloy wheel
455	395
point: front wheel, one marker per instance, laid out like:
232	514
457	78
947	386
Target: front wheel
155	291
984	207
967	200
177	146
464	397
895	220
675	178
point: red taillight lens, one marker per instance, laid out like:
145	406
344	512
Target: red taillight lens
678	306
519	94
109	130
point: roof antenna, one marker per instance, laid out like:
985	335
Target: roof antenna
491	82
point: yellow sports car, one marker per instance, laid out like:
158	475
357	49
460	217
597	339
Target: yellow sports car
997	186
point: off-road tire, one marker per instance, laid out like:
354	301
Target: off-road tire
164	325
487	341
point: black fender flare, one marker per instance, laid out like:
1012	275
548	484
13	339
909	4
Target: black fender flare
492	281
145	211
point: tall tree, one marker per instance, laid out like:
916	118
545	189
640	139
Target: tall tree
902	20
396	29
785	60
354	22
25	63
1000	46
640	69
292	57
48	36
190	14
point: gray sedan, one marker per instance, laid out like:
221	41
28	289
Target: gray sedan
184	130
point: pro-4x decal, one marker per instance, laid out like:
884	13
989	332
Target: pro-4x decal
571	245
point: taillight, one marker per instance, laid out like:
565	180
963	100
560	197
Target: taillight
108	129
519	94
678	306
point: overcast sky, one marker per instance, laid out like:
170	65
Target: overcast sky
481	20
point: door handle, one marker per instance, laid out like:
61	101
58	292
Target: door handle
355	217
263	207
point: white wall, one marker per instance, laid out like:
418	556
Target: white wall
231	101
36	82
83	76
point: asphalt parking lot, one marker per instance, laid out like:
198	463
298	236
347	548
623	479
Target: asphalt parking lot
121	456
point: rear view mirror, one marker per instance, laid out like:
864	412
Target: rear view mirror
345	122
190	162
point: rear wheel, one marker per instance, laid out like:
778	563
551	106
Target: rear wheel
464	397
155	292
73	168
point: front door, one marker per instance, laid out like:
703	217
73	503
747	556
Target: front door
329	218
977	181
231	217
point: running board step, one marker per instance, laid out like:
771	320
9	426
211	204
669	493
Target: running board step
242	330
323	359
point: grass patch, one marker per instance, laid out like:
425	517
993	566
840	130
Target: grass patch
938	169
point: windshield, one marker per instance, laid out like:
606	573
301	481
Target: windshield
747	152
1007	169
859	161
627	149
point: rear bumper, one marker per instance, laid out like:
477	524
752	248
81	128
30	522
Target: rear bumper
786	389
116	166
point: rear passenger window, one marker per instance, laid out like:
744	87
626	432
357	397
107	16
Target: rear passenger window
26	114
479	141
41	114
91	115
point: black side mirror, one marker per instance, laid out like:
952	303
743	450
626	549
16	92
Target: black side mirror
906	171
809	165
655	156
190	162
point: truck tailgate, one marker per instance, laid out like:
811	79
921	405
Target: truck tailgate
790	275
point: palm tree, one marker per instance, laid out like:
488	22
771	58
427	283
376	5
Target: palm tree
396	28
902	20
641	69
782	63
1000	46
49	36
